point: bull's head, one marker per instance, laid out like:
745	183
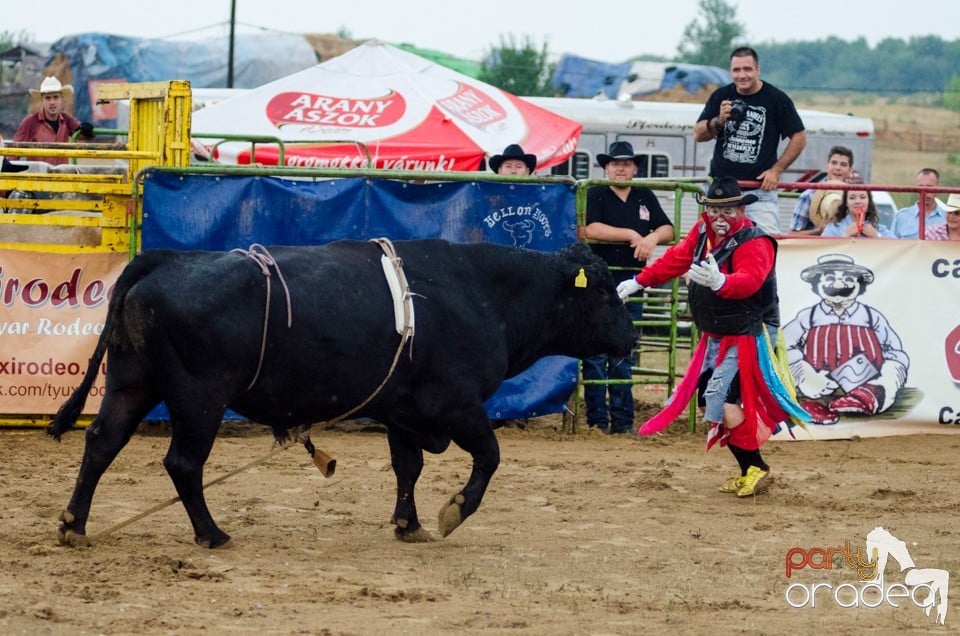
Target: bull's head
600	321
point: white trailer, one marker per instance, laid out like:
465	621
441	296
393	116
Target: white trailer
663	133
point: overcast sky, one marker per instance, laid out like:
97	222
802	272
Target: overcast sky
609	31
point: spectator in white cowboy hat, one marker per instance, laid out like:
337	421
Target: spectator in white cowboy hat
513	161
949	231
50	124
631	223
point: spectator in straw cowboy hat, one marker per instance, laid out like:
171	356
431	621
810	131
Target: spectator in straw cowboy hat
857	216
744	389
513	161
50	124
631	223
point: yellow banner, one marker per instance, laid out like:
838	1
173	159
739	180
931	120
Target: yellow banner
54	306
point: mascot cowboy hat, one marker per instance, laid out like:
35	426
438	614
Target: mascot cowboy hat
836	262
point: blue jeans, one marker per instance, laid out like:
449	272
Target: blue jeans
619	415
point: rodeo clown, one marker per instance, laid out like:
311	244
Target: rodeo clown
745	392
842	351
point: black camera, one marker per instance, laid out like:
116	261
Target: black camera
738	110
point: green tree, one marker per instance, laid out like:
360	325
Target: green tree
520	68
710	37
10	39
951	94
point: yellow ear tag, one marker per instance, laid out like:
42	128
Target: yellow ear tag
580	280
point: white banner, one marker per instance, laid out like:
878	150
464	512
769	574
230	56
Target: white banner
873	334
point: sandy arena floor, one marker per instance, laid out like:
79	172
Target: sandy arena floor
578	534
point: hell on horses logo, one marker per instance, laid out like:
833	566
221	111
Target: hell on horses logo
309	109
924	588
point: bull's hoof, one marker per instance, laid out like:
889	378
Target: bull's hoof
413	536
450	517
220	539
67	534
69	537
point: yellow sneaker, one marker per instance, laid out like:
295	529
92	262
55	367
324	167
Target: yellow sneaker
732	485
755	481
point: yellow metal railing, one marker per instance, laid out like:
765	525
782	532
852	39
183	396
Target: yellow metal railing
91	206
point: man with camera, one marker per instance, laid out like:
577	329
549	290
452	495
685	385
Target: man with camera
748	118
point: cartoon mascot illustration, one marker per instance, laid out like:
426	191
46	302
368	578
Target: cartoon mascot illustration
843	354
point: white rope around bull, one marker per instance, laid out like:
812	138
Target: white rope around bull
403	311
262	257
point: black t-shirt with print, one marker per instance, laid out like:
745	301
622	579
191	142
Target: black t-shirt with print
745	149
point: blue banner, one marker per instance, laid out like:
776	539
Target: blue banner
216	212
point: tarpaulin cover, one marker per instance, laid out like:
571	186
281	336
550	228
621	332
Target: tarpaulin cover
581	77
258	58
224	212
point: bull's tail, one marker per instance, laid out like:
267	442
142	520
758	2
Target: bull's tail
67	415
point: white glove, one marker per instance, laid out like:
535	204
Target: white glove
707	273
627	288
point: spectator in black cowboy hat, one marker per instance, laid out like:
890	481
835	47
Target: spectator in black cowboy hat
513	161
631	223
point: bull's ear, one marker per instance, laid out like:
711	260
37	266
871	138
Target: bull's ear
581	279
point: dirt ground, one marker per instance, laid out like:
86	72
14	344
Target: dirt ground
578	534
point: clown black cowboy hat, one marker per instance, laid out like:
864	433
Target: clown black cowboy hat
513	151
829	263
619	151
725	192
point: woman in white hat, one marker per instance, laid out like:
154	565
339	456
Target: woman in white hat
50	124
949	231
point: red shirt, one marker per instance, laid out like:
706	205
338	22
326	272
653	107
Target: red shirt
36	128
752	262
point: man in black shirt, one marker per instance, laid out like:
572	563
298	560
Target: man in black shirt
632	223
748	118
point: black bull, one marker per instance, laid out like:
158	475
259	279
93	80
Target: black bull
187	328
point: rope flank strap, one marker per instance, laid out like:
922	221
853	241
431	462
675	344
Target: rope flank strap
265	261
